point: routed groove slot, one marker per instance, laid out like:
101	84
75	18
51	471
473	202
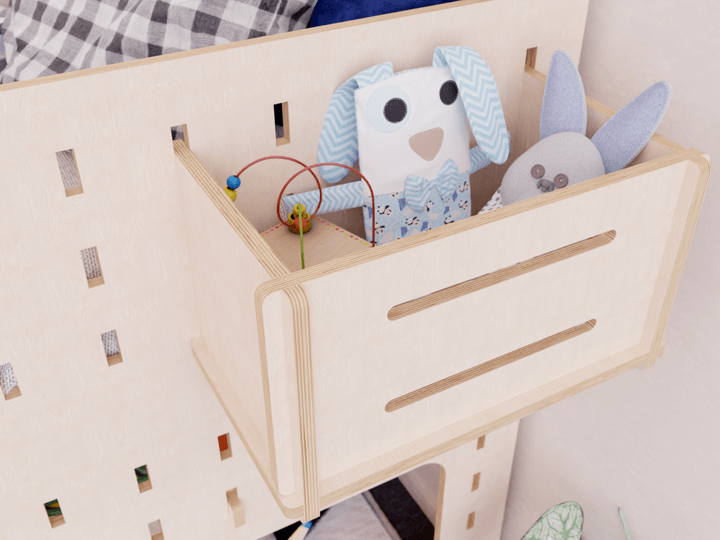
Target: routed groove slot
504	274
487	367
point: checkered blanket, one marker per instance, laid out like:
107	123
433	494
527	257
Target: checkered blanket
44	37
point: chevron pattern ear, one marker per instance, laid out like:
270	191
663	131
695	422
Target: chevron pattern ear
480	97
338	139
335	198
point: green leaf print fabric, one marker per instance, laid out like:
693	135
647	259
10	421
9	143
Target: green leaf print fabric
561	522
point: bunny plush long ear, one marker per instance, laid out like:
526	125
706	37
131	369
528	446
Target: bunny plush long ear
622	137
339	139
564	108
480	98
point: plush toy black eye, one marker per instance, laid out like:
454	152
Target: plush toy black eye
560	181
395	110
537	171
448	92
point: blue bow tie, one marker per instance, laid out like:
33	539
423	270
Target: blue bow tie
418	189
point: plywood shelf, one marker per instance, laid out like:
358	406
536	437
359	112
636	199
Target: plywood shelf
324	242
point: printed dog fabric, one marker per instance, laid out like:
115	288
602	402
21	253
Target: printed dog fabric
395	218
45	37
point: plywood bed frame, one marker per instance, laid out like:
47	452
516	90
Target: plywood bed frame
336	377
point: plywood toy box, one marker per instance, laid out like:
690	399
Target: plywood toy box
369	362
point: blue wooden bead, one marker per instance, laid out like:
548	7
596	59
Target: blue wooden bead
233	182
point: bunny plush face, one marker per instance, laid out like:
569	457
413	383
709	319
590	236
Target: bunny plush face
413	123
565	156
558	161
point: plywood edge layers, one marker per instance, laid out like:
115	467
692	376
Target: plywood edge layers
698	173
479	220
240	224
486	367
488	280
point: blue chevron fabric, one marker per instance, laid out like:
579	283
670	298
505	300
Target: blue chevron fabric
478	160
480	97
334	198
417	188
338	139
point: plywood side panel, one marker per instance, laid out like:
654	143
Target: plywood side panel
225	275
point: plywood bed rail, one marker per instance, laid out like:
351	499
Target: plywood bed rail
499	276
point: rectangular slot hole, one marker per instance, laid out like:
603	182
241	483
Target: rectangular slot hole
282	124
476	482
69	172
93	271
54	513
156	532
143	479
481	442
531	57
8	382
180	133
471	521
235	507
487	367
499	276
225	449
112	347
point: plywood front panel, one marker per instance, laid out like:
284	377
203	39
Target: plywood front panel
378	360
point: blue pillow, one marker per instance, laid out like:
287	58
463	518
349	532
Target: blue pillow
335	11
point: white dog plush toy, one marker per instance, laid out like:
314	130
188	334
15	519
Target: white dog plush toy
410	133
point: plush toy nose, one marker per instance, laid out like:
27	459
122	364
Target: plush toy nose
426	144
545	185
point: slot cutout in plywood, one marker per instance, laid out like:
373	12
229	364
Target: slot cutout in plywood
487	367
93	271
180	133
225	448
69	172
235	507
282	123
504	274
470	521
8	382
156	532
475	482
112	347
143	479
531	57
54	513
481	442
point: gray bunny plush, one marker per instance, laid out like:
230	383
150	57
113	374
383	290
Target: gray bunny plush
565	156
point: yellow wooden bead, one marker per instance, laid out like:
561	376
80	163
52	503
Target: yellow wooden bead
231	193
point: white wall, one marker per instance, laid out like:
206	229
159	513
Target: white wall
647	441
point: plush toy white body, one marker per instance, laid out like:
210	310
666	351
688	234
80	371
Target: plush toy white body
431	132
410	133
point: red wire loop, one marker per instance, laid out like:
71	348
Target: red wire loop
317	180
308	168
